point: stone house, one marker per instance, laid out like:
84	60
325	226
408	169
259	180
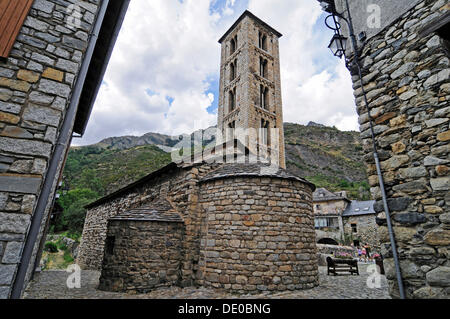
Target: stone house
339	220
328	209
360	227
231	224
53	55
405	64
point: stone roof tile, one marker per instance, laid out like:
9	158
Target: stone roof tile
252	170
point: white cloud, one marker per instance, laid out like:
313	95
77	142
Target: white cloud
309	94
170	49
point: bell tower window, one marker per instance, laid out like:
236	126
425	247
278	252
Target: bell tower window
232	100
231	129
233	44
263	97
233	70
264	135
263	67
262	41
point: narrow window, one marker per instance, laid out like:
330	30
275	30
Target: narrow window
266	98
231	127
264	43
264	132
232	46
232	72
263	97
263	67
231	101
354	229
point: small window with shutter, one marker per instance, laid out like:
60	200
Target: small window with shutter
12	17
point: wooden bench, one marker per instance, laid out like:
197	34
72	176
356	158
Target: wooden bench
336	265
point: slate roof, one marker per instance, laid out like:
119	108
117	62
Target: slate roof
323	194
357	208
252	170
159	211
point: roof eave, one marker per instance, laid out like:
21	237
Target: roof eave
243	15
109	32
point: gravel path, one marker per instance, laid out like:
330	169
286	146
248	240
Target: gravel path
52	285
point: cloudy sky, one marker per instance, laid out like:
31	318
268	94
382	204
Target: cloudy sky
164	72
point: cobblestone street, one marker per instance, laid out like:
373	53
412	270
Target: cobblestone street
52	285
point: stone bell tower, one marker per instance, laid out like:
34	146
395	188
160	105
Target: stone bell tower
250	88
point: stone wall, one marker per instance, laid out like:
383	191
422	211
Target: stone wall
366	230
36	82
179	186
143	255
406	77
248	113
257	235
330	208
364	10
329	233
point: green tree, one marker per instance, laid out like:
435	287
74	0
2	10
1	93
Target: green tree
73	217
73	203
90	180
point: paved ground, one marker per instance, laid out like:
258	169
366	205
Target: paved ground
52	285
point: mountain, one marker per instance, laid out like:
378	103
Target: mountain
326	156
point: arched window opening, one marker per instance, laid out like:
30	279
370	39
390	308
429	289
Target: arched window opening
232	46
262	41
231	130
232	72
264	97
232	100
263	67
264	132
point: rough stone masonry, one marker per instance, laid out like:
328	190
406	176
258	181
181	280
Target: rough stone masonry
228	225
36	82
406	71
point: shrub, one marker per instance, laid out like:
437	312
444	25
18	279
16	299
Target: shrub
50	247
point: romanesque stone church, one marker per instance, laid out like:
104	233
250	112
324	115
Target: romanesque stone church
208	223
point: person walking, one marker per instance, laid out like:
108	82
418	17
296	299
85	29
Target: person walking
368	252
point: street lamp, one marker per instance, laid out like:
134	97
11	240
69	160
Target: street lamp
338	47
328	5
